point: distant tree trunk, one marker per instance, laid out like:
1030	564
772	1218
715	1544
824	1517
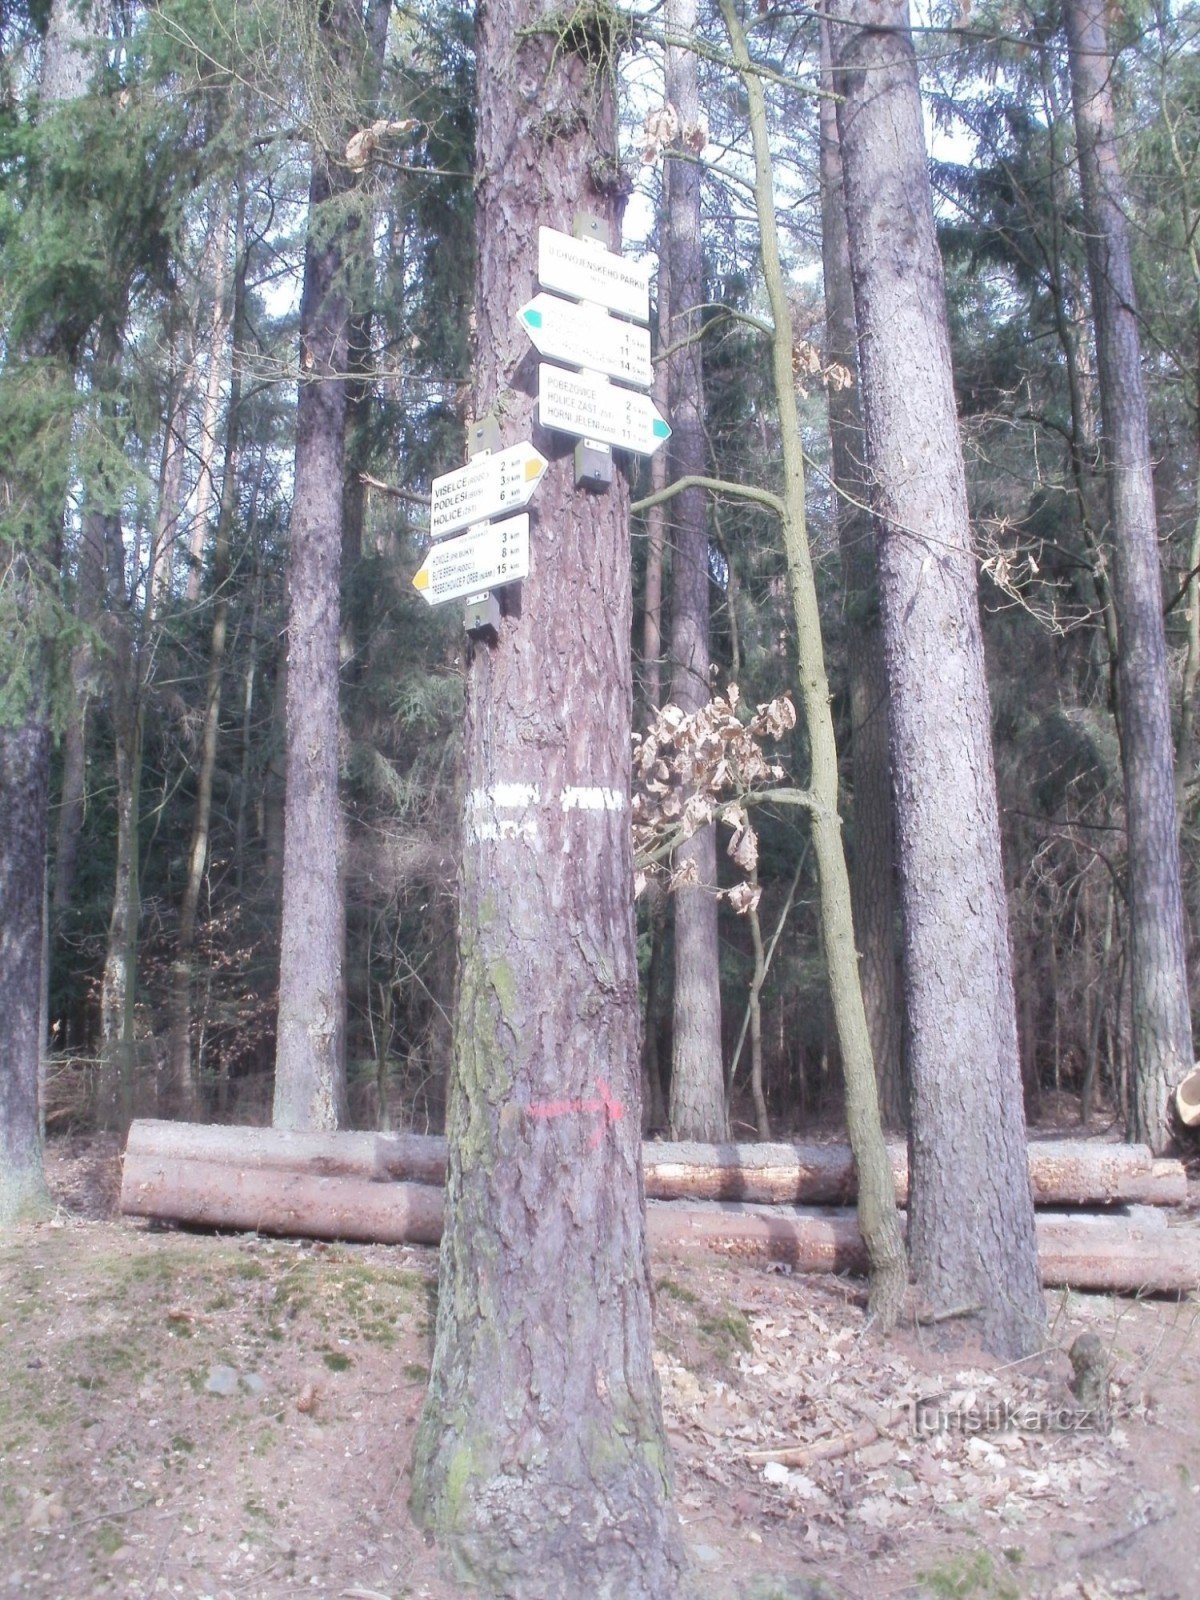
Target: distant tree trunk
656	517
25	723
1162	1028
160	563
541	1460
25	795
89	602
655	1115
359	389
310	1066
971	1234
182	1096
216	259
697	1104
118	987
872	853
877	1214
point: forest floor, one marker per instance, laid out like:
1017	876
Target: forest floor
231	1418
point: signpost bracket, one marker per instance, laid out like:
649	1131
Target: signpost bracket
592	228
483	436
481	618
593	465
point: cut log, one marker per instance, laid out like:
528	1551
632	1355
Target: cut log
1063	1172
297	1204
412	1157
1122	1252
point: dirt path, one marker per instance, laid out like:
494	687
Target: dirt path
228	1418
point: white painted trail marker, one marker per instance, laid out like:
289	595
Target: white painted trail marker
586	271
489	556
484	487
591	408
587	337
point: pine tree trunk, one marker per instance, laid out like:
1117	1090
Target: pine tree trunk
876	1197
971	1237
697	1101
24	797
541	1460
25	727
118	987
89	601
1162	1029
310	1068
872	853
217	263
182	1089
161	562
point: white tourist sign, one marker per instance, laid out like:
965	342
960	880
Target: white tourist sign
587	271
493	554
585	336
592	408
485	487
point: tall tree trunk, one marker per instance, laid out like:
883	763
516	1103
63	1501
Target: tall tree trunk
971	1235
541	1459
697	1102
89	604
216	259
310	1064
873	852
1162	1027
182	1088
877	1214
161	562
122	668
25	795
655	1115
361	251
25	720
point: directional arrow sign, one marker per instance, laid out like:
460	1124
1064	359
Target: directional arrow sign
493	554
591	408
584	336
484	487
587	271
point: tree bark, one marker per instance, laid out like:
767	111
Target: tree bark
310	1068
876	1199
1162	1029
541	1460
697	1094
872	838
182	1089
217	262
25	721
24	796
971	1238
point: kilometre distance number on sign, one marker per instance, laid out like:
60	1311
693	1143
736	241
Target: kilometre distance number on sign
587	337
587	271
486	557
591	408
484	488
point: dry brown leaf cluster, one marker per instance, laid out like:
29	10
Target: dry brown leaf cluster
807	364
361	146
692	768
663	128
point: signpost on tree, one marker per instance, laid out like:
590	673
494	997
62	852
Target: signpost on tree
541	1462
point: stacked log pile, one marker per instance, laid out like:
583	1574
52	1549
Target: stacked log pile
788	1202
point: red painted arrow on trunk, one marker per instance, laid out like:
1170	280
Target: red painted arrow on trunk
608	1107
